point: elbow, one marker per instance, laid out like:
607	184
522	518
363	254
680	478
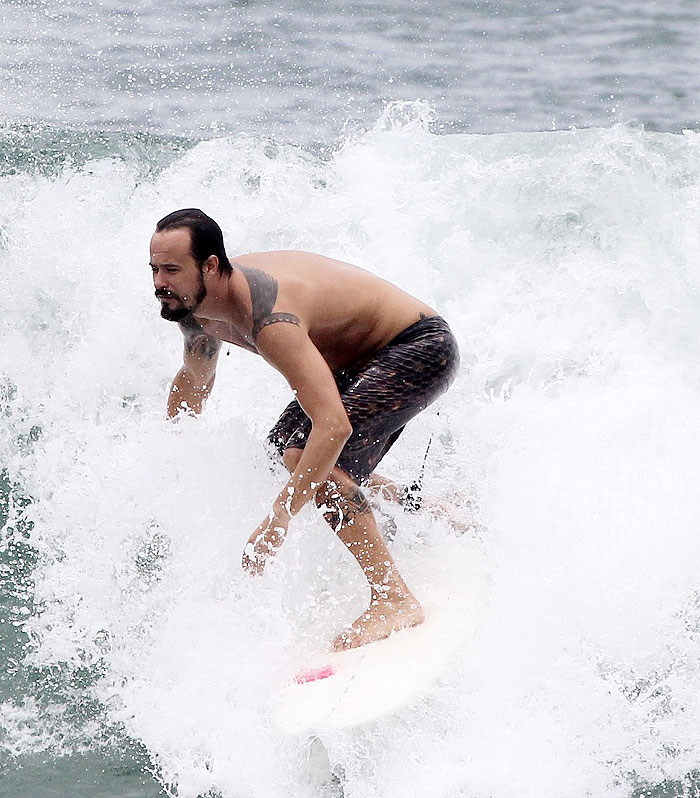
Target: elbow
335	429
342	429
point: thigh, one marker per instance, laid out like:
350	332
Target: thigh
291	429
394	386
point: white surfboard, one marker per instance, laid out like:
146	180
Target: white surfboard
347	688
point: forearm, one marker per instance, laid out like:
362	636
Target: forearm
322	450
316	463
188	394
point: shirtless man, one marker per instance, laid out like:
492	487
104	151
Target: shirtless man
361	356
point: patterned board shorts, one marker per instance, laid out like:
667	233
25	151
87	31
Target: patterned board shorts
381	395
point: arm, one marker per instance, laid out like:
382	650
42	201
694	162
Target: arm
290	350
193	383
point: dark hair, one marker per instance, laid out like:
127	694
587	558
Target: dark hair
206	237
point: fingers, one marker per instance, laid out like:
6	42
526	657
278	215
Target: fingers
252	561
260	548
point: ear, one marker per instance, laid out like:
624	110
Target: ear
211	264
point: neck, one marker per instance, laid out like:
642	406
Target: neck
222	302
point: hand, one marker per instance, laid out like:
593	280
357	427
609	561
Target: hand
265	541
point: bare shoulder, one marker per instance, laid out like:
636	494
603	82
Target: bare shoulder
348	310
291	260
298	272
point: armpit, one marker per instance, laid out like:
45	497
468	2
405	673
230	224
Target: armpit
198	342
204	345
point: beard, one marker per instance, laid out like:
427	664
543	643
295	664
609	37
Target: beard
181	310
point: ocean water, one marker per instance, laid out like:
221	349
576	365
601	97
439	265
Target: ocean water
556	231
310	71
567	264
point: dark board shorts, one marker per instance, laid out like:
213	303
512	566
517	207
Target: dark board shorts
381	395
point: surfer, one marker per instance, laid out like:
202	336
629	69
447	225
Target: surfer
361	356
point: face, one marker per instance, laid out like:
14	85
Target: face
176	276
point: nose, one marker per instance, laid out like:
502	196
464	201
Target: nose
160	280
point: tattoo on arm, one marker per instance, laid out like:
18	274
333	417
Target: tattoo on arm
263	295
197	342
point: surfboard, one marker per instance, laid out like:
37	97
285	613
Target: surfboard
336	690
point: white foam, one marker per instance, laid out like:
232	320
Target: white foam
567	265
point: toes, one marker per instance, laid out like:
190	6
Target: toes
344	641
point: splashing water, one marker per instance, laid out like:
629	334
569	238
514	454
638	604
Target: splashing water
566	263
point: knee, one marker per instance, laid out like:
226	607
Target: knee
327	499
332	491
291	458
326	496
340	503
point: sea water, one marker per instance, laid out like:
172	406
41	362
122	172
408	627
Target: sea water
566	263
307	71
136	658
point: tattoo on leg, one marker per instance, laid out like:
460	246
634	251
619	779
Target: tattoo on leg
332	516
357	501
338	510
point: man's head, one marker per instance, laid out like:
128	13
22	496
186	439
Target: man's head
187	243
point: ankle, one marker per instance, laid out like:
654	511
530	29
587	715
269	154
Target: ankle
390	594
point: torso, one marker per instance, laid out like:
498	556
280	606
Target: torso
348	313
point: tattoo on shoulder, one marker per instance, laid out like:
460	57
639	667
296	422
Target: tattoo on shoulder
197	341
263	295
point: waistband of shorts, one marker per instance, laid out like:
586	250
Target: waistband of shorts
430	325
427	325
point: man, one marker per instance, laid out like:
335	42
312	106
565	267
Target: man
361	356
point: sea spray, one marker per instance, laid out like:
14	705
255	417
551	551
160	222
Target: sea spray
566	263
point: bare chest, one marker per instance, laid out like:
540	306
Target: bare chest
225	331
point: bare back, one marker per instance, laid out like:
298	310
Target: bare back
348	312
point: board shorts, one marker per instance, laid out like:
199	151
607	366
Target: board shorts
381	395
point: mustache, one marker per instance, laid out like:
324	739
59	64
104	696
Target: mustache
165	294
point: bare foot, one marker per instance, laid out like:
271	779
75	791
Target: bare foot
379	621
